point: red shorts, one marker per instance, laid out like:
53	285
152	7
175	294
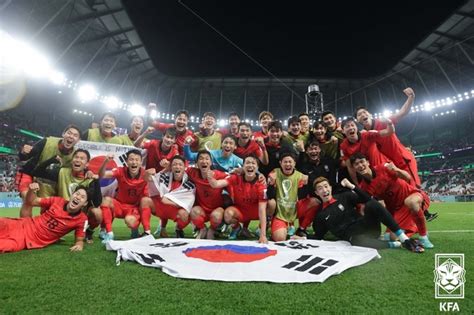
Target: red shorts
246	214
121	210
405	220
164	211
278	224
12	235
23	181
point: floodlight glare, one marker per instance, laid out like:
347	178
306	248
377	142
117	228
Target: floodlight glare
87	93
112	102
386	113
137	109
57	77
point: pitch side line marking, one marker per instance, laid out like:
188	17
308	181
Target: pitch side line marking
452	231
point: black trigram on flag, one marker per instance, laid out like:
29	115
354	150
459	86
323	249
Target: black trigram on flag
123	159
149	258
312	264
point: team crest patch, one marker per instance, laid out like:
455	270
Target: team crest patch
341	207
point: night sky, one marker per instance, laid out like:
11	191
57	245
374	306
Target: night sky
289	38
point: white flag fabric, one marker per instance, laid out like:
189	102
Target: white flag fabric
294	261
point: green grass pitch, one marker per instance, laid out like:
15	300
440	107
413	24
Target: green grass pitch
53	280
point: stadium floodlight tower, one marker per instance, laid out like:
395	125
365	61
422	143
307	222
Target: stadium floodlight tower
314	102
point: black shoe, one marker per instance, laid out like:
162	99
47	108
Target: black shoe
89	236
413	246
179	233
430	216
301	232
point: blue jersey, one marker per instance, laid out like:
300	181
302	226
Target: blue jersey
219	162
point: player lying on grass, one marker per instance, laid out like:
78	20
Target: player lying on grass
249	196
172	197
132	188
404	201
61	218
339	216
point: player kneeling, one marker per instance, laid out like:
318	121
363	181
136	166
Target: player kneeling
249	195
132	187
60	218
172	196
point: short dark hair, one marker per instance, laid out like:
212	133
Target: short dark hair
133	151
211	114
171	131
253	156
313	142
293	119
327	112
83	151
303	114
182	111
357	156
137	116
110	114
348	120
201	152
358	109
319	123
275	124
178	157
79	187
284	154
265	113
243	123
230	136
233	114
72	126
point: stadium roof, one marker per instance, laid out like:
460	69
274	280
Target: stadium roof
95	41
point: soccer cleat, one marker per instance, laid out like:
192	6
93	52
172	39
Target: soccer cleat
291	230
134	233
301	232
235	232
89	236
163	233
257	232
102	234
425	241
179	233
158	231
245	233
108	237
430	216
202	234
413	246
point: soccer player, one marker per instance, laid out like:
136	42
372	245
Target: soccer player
132	188
295	137
223	159
68	178
363	142
180	123
274	145
172	197
284	189
305	121
246	146
329	144
404	201
333	126
264	118
249	195
234	120
391	146
105	131
159	152
338	215
41	151
207	138
209	201
43	230
136	126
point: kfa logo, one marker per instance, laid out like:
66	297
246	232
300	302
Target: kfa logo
312	264
449	280
449	276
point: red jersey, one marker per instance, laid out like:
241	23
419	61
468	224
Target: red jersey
130	190
251	148
226	131
180	136
247	195
260	134
366	145
155	154
206	197
386	186
391	145
53	224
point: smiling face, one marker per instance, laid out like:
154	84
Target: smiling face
364	118
350	131
78	201
324	191
294	128
134	163
250	166
330	121
228	146
107	124
244	133
177	167
204	162
79	161
362	167
287	165
137	125
168	141
234	121
209	122
313	151
70	138
304	119
275	134
266	119
181	122
319	131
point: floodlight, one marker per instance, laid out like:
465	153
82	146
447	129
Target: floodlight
87	93
137	109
